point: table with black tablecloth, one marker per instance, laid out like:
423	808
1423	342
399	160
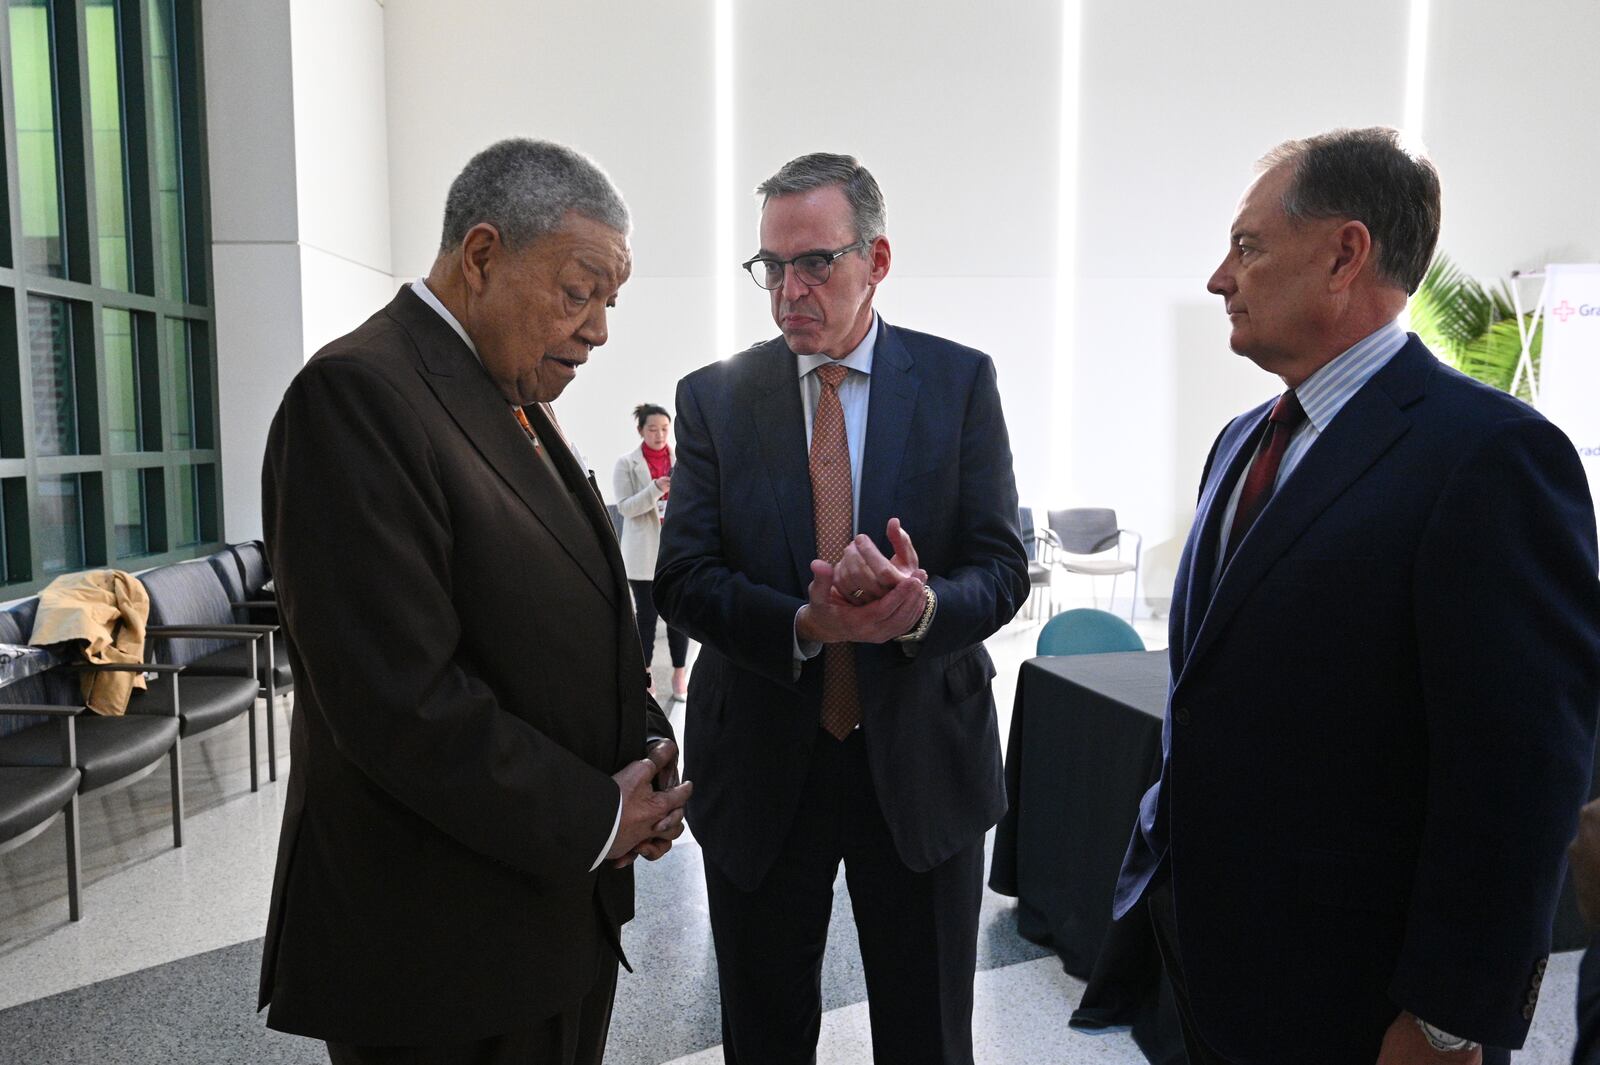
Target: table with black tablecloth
1085	744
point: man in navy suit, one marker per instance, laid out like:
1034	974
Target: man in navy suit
840	708
1385	648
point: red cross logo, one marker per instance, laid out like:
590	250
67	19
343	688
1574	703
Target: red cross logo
1563	311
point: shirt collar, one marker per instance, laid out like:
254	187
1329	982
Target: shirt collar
1324	393
425	294
859	359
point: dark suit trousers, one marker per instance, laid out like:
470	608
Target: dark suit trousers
918	931
576	1036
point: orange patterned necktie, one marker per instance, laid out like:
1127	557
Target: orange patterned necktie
522	420
831	511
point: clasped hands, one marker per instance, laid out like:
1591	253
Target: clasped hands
864	597
652	805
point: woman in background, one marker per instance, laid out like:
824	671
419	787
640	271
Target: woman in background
641	481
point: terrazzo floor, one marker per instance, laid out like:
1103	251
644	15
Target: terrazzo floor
162	969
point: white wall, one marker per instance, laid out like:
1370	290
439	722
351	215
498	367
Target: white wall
955	107
254	233
295	101
342	180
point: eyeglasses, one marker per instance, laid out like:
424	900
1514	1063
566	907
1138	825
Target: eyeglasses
813	268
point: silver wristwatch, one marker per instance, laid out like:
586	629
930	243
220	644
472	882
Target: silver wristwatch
1442	1040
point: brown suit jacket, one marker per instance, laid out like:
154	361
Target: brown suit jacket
468	677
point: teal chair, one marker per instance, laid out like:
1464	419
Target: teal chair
1087	632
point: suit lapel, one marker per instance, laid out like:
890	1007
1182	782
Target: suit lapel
1358	437
781	429
1198	564
467	394
892	398
585	493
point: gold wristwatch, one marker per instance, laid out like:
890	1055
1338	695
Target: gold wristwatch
920	629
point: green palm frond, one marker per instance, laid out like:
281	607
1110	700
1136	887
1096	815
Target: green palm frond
1472	328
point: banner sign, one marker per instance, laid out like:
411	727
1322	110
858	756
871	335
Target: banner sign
1569	362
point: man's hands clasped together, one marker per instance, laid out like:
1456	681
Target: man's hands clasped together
652	805
865	597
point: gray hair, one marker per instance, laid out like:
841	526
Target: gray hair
1367	175
822	169
524	188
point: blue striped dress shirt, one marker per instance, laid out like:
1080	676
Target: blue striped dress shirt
1322	396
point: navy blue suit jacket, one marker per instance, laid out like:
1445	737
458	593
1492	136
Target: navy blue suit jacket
1380	725
734	567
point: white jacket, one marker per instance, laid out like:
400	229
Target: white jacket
637	496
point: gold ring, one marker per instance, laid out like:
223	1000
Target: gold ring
858	593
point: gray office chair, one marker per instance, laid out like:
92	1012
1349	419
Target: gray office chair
1040	567
1092	531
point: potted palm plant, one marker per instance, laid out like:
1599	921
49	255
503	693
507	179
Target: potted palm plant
1473	328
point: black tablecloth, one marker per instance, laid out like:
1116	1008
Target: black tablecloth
1085	743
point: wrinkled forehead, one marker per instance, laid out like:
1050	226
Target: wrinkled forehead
815	220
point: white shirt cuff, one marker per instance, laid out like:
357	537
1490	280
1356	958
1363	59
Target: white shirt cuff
615	827
804	650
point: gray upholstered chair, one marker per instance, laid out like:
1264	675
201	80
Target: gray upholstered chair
107	752
1080	532
32	798
1040	569
225	667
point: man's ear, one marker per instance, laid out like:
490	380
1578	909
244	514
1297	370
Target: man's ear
478	249
878	254
1352	249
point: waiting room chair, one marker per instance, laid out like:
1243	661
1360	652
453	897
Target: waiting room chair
33	797
1087	632
108	752
1086	531
225	667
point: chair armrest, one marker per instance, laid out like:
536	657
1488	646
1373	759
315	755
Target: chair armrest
216	632
36	709
124	667
1137	539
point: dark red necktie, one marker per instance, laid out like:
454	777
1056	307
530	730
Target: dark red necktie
1286	416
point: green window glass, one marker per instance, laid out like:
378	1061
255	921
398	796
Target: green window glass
14	562
165	144
123	385
105	115
61	523
183	435
38	161
55	394
129	496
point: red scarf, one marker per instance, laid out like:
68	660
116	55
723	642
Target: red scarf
660	463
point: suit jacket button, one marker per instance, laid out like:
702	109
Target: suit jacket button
1182	715
1527	1013
1544	963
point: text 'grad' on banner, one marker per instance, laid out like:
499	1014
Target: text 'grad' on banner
1569	362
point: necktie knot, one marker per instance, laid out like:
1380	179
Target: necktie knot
832	374
1287	412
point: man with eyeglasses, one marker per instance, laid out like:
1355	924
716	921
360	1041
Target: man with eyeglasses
840	709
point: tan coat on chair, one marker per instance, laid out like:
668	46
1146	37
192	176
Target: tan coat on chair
107	609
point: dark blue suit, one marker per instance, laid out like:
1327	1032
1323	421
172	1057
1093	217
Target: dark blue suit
1380	725
734	568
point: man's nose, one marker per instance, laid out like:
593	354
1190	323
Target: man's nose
793	288
1221	283
593	331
